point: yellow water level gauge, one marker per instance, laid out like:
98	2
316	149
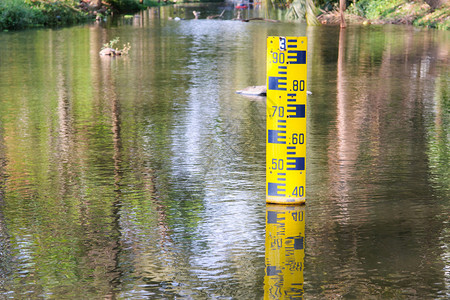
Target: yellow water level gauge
286	120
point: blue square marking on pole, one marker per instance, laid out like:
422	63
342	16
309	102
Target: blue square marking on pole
276	136
299	57
296	163
276	189
299	110
276	84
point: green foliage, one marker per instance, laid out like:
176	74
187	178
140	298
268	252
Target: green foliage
405	12
327	4
19	14
375	9
152	3
112	44
439	18
125	6
303	9
59	12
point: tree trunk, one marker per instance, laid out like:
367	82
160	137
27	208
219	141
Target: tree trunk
435	3
341	10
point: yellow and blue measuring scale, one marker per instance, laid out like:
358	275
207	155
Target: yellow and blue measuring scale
286	120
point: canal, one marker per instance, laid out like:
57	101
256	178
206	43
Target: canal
143	176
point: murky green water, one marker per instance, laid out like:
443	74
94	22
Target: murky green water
143	177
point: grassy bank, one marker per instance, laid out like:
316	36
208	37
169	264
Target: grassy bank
19	14
417	13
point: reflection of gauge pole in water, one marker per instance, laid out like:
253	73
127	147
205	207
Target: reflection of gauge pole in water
286	120
285	251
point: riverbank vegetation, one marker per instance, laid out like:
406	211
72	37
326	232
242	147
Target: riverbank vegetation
19	14
428	13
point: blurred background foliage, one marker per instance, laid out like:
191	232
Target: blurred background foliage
19	14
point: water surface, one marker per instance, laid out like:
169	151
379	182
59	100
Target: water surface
144	176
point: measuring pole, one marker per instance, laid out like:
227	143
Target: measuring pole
286	120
